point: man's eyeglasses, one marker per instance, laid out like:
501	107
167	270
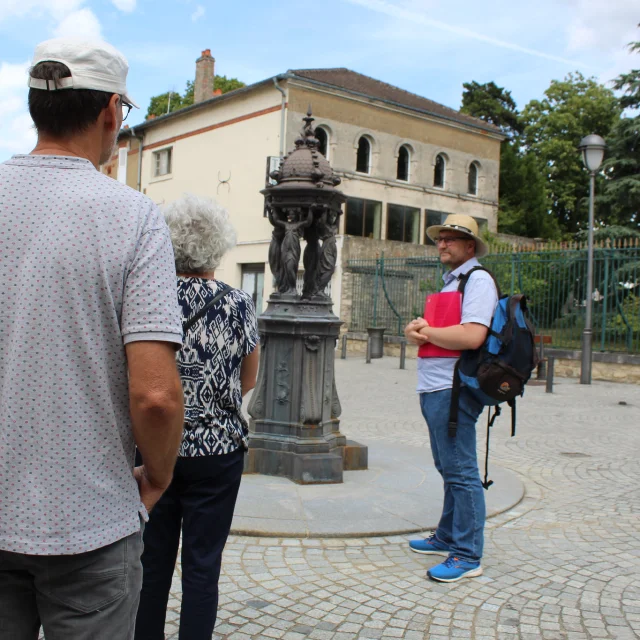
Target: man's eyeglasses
126	109
449	240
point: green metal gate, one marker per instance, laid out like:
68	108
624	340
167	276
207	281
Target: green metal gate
388	292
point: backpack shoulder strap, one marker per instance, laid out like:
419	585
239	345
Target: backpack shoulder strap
455	400
486	483
464	278
221	294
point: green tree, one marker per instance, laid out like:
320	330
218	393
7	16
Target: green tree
160	105
629	83
492	104
524	206
620	196
554	126
620	192
165	103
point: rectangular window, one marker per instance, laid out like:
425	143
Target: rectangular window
433	218
403	223
363	218
273	164
253	283
162	162
482	224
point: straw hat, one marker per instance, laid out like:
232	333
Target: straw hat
462	224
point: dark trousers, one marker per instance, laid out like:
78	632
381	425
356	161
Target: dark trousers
200	500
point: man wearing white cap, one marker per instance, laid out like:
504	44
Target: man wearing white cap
460	532
89	325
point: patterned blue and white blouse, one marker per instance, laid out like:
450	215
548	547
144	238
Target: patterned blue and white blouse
209	365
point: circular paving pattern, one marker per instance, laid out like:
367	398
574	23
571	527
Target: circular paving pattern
563	564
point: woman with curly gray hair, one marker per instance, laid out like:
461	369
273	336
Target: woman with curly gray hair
218	364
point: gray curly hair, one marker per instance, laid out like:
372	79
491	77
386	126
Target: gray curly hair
200	232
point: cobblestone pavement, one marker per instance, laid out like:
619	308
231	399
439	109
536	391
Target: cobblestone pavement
563	564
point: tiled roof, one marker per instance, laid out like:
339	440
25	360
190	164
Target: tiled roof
358	83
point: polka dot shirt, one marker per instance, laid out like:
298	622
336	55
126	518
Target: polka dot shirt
86	266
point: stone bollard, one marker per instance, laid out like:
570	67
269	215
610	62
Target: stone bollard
403	353
368	356
376	336
541	373
549	387
343	354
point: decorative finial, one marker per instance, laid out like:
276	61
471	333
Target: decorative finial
308	131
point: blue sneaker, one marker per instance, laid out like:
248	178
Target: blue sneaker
453	569
430	546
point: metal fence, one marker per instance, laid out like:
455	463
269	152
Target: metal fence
388	292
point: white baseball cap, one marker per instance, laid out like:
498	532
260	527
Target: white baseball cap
93	65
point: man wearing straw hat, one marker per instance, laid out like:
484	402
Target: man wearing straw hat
460	532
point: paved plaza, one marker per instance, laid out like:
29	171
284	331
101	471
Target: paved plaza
562	564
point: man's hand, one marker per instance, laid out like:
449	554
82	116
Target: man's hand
149	492
412	331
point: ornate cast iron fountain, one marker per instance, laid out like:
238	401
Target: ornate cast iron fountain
295	407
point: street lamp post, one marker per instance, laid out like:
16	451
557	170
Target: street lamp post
592	148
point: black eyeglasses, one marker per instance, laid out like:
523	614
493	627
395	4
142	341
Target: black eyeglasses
126	109
449	240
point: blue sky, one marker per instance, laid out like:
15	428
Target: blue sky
424	46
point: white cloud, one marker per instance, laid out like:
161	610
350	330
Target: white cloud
604	27
198	13
80	24
12	77
38	8
16	128
125	5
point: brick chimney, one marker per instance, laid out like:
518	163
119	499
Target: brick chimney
205	68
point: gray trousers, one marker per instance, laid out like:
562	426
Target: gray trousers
88	596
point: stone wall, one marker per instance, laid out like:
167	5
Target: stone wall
355	248
610	371
517	241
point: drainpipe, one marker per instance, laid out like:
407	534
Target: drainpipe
140	140
282	112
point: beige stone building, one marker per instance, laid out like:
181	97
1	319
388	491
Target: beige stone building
405	162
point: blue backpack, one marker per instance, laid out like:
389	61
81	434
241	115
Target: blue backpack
497	371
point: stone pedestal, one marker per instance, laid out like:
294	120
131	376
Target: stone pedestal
295	427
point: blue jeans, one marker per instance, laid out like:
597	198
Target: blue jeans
461	525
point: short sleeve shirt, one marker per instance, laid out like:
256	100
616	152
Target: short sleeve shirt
209	364
478	305
86	266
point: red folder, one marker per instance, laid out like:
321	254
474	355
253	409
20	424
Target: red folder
441	310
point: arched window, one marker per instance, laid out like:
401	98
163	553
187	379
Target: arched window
473	179
363	157
323	141
439	171
403	164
